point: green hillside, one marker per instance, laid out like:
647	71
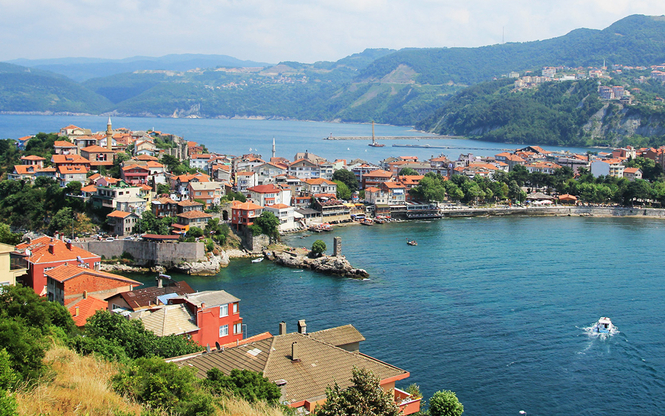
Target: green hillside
634	40
29	90
556	113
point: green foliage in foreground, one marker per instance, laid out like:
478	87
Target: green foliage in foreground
364	397
246	384
115	338
445	403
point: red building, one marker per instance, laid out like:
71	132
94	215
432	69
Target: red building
46	253
243	213
135	174
217	316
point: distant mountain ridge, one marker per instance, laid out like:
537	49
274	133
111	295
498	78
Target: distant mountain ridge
403	87
81	69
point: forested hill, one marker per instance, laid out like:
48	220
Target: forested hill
634	40
556	113
32	90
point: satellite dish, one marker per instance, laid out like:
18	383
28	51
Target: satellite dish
219	347
207	347
79	259
27	252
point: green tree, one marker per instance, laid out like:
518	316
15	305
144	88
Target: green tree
430	188
348	177
249	385
62	221
445	403
318	248
407	172
269	224
364	397
163	188
343	191
7	236
8	380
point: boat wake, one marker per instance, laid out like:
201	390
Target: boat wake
592	332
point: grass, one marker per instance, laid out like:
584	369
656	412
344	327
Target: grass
81	386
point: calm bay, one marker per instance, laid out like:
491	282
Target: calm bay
494	309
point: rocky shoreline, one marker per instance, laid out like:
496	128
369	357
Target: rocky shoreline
300	259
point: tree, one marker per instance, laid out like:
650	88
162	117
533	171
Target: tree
249	385
269	224
445	403
7	236
364	397
163	188
318	248
348	177
430	188
407	172
343	191
62	221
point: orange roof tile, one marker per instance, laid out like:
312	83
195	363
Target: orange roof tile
245	206
119	214
278	206
380	173
40	253
89	188
96	149
72	169
85	308
65	272
194	214
32	157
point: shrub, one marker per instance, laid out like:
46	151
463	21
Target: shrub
318	248
127	256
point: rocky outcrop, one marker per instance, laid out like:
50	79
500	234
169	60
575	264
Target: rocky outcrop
325	264
208	267
125	268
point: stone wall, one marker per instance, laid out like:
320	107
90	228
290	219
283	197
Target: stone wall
149	253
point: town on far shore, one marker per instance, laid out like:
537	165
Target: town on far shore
161	201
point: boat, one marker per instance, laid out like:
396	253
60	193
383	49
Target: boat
374	142
603	326
259	260
411	242
366	221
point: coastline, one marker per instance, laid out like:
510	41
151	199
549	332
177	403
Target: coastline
554	211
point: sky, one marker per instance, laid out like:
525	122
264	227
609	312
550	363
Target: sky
288	30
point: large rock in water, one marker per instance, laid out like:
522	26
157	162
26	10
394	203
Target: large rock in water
324	264
210	267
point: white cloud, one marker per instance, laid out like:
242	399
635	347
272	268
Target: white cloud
277	30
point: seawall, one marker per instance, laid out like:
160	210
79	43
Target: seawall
148	253
558	211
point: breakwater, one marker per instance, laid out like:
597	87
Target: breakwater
390	137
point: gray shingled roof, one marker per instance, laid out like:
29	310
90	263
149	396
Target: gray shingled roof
210	298
167	320
320	364
341	335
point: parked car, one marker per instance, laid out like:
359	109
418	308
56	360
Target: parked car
110	239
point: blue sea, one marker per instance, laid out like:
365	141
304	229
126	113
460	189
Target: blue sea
495	309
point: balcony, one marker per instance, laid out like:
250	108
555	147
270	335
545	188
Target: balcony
407	403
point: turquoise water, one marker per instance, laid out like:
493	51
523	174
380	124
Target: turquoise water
494	309
238	136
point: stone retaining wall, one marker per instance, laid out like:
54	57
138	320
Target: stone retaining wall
148	253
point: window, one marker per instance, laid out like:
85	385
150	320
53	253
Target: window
223	331
237	328
235	308
223	311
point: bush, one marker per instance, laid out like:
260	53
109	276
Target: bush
249	385
318	248
445	403
126	255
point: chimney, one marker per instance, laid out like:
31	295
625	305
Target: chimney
302	327
295	357
51	248
76	311
159	282
203	305
85	294
69	244
282	328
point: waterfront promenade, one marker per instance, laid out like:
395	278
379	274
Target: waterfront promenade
556	210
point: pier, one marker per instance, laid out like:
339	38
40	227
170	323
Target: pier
369	138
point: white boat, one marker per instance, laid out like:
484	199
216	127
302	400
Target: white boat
259	260
603	326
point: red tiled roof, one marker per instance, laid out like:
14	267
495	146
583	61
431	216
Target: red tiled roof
194	214
65	272
72	169
119	214
278	206
264	189
380	173
245	206
32	157
40	251
96	149
85	308
146	158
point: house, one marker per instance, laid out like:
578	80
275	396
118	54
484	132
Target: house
243	213
194	219
547	168
122	222
164	207
270	195
200	161
67	174
148	297
304	365
221	172
71	282
46	253
632	173
286	215
120	196
30	172
304	169
395	192
73	130
267	172
208	192
33	160
181	183
135	174
98	156
319	186
70	160
145	147
510	159
216	314
245	180
12	265
63	147
375	178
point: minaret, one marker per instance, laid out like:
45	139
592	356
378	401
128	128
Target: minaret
273	147
109	135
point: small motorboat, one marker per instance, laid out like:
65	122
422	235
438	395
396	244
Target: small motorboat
603	326
411	242
259	260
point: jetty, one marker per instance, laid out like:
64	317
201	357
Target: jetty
369	138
